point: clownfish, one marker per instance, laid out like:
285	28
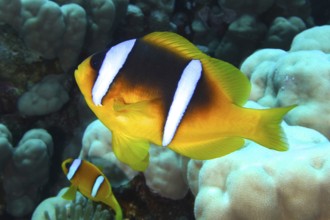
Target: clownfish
162	89
91	182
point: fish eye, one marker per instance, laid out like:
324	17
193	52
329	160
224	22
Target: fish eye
97	60
68	165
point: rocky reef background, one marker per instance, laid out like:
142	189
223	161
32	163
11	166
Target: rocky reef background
42	42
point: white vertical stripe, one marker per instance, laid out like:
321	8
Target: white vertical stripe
112	63
98	182
183	94
73	168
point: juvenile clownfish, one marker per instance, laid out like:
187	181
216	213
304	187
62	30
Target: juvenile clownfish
91	182
162	89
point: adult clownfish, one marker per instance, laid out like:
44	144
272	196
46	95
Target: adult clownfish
162	89
91	182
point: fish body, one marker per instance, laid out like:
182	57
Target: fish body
91	182
161	89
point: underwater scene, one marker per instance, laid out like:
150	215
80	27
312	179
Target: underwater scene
164	109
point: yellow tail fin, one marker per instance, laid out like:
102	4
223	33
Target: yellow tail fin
112	202
269	132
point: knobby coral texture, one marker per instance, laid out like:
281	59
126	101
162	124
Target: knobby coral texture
281	46
21	183
297	76
258	183
59	30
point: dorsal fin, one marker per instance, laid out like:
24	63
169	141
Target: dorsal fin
232	81
175	43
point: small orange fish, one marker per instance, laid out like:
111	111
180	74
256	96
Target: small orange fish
162	89
91	182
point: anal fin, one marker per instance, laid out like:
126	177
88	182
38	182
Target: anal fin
211	149
131	151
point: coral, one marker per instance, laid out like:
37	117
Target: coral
241	39
74	17
21	182
133	22
8	97
159	21
101	18
313	39
233	29
19	66
209	22
247	6
39	19
165	167
282	31
153	5
258	183
47	208
43	98
299	76
10	12
6	148
299	8
164	175
71	25
96	147
57	208
144	16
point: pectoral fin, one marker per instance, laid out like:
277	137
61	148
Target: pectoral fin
133	152
121	106
70	194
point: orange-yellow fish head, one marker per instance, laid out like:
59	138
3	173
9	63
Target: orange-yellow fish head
66	165
85	77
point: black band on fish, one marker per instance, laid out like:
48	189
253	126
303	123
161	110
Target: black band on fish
183	94
112	63
156	69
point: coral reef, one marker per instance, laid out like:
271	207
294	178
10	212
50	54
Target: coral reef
69	24
232	30
165	175
96	147
298	76
258	183
57	208
6	148
19	67
39	38
45	97
244	33
21	183
282	31
312	39
147	16
165	166
250	32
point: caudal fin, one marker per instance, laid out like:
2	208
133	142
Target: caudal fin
112	202
269	132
